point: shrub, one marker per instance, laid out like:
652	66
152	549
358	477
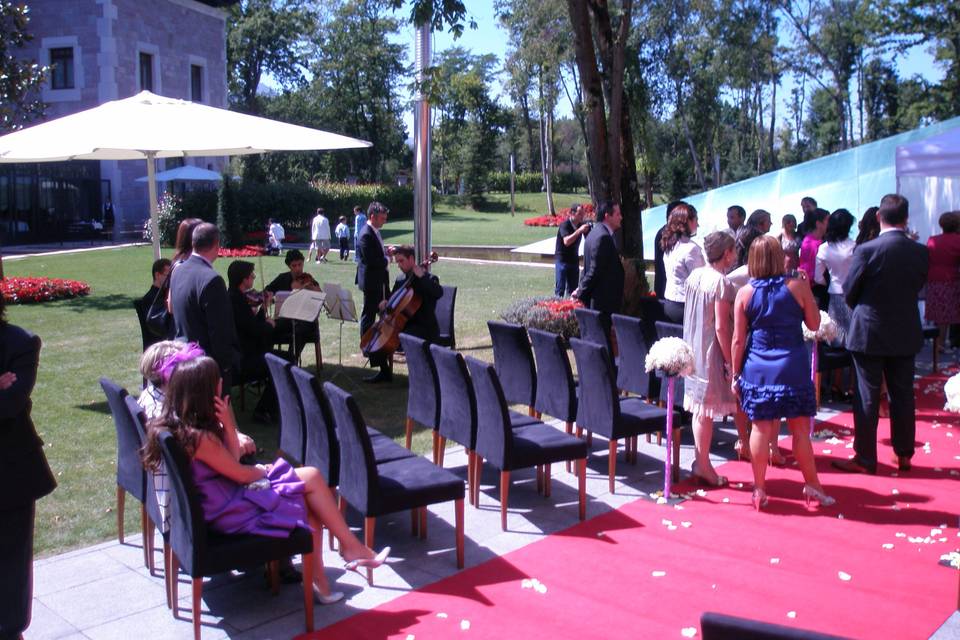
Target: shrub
548	313
169	215
532	182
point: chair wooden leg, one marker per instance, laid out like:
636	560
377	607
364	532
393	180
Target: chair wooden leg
539	480
423	523
582	486
816	387
504	495
167	576
273	568
369	529
589	438
675	473
579	432
477	477
174	584
318	351
197	592
531	411
648	438
307	570
546	480
441	449
409	428
436	448
612	464
458	510
659	438
121	502
569	429
471	463
143	537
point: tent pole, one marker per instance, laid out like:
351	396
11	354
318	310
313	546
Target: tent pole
421	148
152	190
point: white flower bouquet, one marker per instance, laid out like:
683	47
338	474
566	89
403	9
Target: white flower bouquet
671	356
952	390
826	333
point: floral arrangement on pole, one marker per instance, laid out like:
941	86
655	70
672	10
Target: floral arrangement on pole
952	391
826	332
672	357
32	290
561	215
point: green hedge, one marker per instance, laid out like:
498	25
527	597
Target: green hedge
532	182
293	204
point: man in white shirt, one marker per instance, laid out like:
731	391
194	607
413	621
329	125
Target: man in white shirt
275	236
319	236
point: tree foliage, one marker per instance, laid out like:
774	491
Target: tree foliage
20	79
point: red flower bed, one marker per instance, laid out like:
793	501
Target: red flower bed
560	308
30	290
562	214
246	251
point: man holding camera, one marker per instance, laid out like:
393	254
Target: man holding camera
567	252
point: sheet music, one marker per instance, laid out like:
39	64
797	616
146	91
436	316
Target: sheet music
339	303
303	305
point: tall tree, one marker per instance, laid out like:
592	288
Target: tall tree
20	79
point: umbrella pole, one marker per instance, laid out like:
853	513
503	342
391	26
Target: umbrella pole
152	191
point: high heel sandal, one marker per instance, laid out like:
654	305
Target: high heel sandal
759	499
333	597
777	458
742	450
811	494
720	482
368	563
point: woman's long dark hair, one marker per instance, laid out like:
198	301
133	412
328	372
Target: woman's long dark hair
678	226
188	409
838	226
869	226
183	246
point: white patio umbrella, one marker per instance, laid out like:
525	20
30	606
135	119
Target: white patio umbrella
186	173
147	126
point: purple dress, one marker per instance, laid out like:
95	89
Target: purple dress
232	508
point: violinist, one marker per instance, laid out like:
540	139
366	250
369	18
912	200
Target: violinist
255	333
423	324
293	280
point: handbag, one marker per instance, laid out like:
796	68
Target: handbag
158	319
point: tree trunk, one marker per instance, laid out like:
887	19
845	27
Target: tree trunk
525	106
693	150
773	125
548	172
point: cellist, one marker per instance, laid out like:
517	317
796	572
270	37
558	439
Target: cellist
423	324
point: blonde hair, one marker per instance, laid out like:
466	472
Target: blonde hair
766	258
154	356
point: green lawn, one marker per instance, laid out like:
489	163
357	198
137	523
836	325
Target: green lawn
98	335
492	224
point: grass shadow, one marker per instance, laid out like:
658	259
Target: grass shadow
95	407
109	302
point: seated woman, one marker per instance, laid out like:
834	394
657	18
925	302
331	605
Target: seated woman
255	333
229	491
771	369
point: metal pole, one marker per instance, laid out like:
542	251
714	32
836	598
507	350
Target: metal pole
422	205
512	170
152	190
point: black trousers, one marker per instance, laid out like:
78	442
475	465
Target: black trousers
871	370
16	575
368	317
673	311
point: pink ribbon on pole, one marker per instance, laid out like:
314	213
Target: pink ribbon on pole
668	471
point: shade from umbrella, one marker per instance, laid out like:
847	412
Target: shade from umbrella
186	173
148	126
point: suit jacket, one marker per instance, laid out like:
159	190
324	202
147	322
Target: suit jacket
372	273
202	312
659	269
885	278
601	285
423	324
24	471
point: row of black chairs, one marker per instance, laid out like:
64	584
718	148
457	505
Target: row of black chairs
189	544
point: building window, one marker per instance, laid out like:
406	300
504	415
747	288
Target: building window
61	74
196	83
146	72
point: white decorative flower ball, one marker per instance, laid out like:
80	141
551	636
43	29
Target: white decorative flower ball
827	332
671	356
952	391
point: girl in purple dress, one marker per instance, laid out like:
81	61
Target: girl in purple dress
263	500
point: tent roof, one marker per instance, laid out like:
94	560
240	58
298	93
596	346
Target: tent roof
938	155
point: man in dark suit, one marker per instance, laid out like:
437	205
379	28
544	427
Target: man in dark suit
24	473
373	277
885	277
601	286
201	307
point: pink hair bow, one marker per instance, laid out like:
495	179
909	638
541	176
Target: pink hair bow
190	351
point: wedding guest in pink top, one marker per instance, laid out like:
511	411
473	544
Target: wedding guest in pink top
816	229
943	280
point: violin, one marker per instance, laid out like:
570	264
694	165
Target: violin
306	281
383	338
254	298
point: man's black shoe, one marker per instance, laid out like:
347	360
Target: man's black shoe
382	376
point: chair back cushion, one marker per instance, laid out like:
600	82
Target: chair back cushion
358	468
291	413
718	626
423	397
632	343
494	433
150	490
599	407
458	408
188	530
130	474
322	450
594	326
556	389
445	311
513	360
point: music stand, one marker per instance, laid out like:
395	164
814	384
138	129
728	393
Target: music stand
340	306
304	305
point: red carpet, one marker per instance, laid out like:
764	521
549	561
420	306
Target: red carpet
826	570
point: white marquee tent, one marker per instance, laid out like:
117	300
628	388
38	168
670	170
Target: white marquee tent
928	175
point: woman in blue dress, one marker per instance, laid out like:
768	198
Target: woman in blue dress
771	366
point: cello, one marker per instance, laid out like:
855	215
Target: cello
383	338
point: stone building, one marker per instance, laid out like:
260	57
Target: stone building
102	50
